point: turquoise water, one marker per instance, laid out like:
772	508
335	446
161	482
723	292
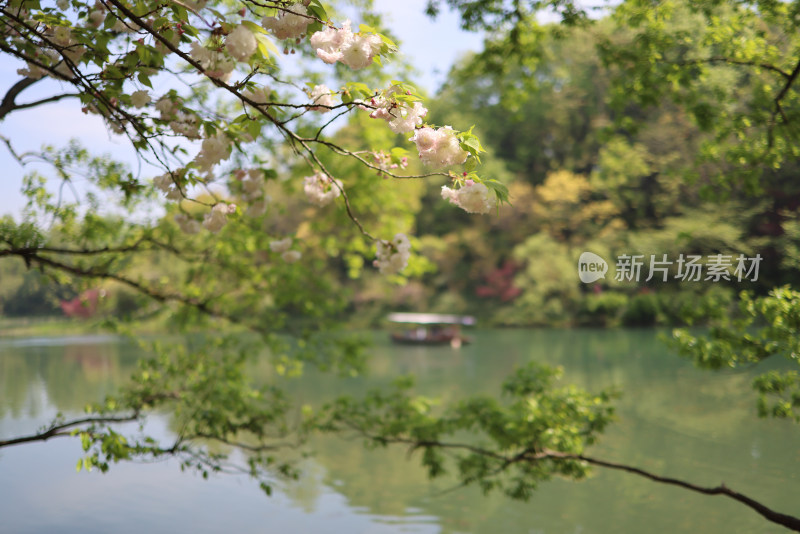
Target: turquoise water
673	420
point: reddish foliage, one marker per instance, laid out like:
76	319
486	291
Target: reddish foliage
500	283
84	305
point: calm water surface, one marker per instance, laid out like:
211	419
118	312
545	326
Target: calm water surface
673	420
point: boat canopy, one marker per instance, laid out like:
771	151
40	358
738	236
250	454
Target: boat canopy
431	318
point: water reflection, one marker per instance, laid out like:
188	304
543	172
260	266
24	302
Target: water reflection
673	419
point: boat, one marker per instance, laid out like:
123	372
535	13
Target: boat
431	329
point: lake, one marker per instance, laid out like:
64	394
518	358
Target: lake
672	419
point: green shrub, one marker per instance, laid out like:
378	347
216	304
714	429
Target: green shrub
642	310
601	309
687	307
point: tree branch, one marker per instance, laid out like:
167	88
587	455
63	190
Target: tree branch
533	456
788	521
8	105
54	98
765	66
33	256
789	81
61	430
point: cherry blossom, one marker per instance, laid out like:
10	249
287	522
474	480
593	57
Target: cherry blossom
259	207
218	217
281	245
401	116
291	256
259	95
354	50
140	99
62	35
321	189
392	256
166	183
214	63
439	148
214	149
472	197
289	24
241	43
361	51
252	184
187	224
322	96
330	41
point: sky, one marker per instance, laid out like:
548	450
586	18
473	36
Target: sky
432	46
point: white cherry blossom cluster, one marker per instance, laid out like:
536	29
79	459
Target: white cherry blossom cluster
62	35
166	183
124	26
252	183
259	95
35	72
290	23
401	116
439	147
321	189
322	97
385	163
282	247
140	99
161	48
354	50
167	108
214	220
181	122
472	197
97	15
187	224
392	256
186	124
214	63
241	43
53	59
212	151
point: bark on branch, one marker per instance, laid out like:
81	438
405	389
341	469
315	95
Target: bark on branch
533	456
8	105
788	521
65	429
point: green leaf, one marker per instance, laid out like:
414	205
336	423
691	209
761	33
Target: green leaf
265	45
316	9
472	144
397	154
500	190
254	128
144	79
253	27
360	88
